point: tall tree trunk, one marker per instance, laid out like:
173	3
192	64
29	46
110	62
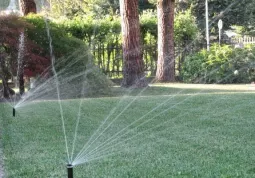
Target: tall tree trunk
7	92
27	6
133	69
2	75
5	88
166	58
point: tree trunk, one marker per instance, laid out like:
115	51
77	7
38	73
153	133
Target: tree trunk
166	58
7	92
4	82
133	69
27	6
5	88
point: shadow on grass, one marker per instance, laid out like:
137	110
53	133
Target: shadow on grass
157	90
172	89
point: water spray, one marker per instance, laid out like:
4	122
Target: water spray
13	112
69	170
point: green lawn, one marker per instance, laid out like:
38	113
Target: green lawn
171	130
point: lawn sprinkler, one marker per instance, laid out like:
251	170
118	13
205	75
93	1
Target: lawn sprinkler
13	112
70	170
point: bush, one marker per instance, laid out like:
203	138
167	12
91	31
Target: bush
185	28
222	64
104	38
107	29
73	61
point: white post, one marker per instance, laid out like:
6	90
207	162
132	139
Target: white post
207	26
220	25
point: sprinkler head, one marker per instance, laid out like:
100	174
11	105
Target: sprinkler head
69	170
13	112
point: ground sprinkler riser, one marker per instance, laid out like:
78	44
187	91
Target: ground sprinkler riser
13	112
70	171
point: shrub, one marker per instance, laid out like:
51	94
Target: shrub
72	57
185	27
107	29
222	64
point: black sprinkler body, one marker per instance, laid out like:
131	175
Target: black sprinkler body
13	112
70	170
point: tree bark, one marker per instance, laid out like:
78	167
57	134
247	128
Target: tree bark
2	75
7	91
133	69
27	6
166	59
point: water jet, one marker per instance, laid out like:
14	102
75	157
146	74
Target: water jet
69	170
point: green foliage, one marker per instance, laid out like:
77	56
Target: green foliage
231	12
72	55
222	64
11	28
96	8
61	42
185	27
108	28
89	28
148	21
104	37
145	5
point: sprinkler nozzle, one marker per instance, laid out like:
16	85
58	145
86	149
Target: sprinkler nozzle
70	170
13	112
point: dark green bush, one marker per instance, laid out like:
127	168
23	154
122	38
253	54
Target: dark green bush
107	29
222	64
103	36
73	59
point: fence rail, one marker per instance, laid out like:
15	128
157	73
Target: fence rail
108	57
243	40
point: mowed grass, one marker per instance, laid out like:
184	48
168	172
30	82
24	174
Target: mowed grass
172	130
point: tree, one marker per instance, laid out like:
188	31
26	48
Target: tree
11	27
35	61
4	73
231	12
97	8
133	69
166	59
27	6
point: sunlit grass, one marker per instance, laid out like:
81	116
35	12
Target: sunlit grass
179	131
